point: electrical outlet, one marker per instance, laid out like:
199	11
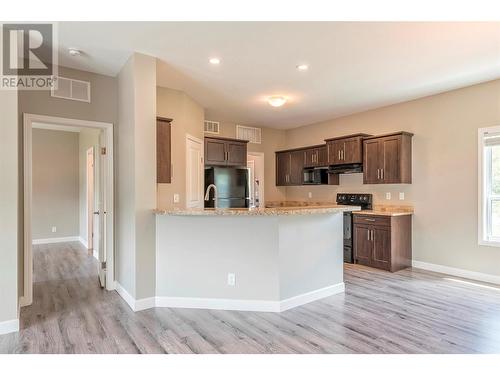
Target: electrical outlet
231	279
176	198
54	229
401	196
388	196
310	194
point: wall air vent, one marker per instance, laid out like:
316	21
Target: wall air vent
71	89
248	133
212	127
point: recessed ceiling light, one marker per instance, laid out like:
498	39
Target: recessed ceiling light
276	101
214	61
74	52
302	67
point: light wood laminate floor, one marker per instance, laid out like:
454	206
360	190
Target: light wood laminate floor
407	312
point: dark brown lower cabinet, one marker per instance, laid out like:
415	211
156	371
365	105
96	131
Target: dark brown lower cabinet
382	241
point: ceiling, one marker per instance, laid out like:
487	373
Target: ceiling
353	66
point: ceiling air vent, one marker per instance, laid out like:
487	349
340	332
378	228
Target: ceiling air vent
72	89
212	127
248	133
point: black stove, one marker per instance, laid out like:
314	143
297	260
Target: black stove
362	200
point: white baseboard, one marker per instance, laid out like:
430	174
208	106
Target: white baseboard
229	304
83	242
43	241
302	299
9	326
135	305
218	304
458	272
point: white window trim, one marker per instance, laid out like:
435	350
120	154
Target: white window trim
483	208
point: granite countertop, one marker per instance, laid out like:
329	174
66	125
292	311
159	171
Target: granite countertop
388	211
275	211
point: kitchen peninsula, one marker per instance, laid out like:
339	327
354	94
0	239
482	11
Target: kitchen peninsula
268	259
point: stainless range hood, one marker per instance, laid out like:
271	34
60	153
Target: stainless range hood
346	168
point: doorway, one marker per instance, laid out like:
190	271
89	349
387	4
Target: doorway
90	201
255	164
101	191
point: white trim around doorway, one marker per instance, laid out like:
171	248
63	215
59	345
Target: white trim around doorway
28	121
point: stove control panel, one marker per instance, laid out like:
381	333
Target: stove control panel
363	200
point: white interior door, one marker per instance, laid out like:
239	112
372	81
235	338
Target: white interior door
194	173
99	238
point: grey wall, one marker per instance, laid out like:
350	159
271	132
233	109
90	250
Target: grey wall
86	139
8	205
55	184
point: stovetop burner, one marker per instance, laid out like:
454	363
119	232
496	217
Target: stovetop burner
362	200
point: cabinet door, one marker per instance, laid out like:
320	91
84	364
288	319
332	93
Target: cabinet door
353	152
163	152
322	156
310	157
296	168
215	152
390	159
236	153
336	149
381	247
363	245
371	168
282	168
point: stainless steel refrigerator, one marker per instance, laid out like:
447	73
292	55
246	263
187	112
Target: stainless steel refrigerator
232	187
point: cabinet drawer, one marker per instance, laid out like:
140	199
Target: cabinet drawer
371	219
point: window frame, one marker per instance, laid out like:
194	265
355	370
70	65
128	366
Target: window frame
484	184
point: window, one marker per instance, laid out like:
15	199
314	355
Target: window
489	186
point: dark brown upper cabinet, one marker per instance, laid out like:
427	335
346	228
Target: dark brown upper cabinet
387	159
225	152
289	167
163	150
315	156
345	150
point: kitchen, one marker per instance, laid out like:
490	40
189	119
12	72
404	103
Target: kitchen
351	229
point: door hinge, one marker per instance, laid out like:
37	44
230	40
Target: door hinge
103	150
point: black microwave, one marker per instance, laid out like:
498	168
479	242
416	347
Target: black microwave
315	176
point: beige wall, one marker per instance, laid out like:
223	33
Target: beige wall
272	140
188	117
87	138
9	195
136	177
55	184
444	189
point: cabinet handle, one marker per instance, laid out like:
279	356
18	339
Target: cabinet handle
382	174
378	173
339	156
328	153
368	234
369	219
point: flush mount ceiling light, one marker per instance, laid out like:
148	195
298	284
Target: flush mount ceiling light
276	101
74	52
214	61
302	67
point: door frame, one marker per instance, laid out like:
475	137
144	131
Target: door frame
28	120
192	138
90	199
262	189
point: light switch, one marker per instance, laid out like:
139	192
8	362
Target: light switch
401	196
388	196
310	194
176	198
